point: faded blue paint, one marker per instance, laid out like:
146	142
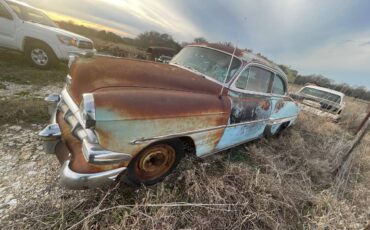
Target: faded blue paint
288	109
240	134
245	108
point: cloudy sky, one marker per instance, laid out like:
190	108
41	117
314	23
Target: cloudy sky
330	37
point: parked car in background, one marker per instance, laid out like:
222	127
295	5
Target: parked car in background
163	59
29	30
133	120
321	101
160	54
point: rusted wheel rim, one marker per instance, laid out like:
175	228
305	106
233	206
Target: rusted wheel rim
155	162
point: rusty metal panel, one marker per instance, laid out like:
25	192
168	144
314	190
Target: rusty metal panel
126	115
103	72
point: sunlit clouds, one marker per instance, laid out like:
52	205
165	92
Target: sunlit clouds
304	34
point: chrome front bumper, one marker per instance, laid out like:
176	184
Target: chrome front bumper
93	152
73	180
69	178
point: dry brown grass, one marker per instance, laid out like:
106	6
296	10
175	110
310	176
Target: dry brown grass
353	113
282	183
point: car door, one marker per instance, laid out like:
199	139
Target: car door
7	28
251	106
283	107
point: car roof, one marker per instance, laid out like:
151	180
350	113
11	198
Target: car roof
325	89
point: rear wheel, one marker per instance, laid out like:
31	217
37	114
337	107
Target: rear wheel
268	132
154	163
40	55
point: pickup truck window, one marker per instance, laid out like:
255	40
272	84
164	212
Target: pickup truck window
29	14
4	13
278	87
254	79
321	94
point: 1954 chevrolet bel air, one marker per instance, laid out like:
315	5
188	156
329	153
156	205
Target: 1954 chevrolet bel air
133	120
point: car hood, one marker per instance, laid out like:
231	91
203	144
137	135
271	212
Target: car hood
91	74
57	31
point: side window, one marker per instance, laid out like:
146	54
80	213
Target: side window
255	79
259	79
4	13
278	87
242	81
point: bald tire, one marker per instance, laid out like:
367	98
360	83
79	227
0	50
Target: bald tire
133	176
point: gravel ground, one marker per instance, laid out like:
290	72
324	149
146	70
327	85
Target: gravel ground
16	89
26	172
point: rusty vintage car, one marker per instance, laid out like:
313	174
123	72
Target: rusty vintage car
321	101
133	120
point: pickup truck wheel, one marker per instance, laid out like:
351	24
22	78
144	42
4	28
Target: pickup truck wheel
40	55
154	163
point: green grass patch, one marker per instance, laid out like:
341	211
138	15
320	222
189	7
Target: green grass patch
18	110
16	69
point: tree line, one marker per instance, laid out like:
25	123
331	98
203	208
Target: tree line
360	92
143	40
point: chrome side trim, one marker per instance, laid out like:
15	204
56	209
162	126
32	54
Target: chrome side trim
164	137
281	120
74	180
143	140
95	154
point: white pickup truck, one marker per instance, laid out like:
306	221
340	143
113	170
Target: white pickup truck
29	30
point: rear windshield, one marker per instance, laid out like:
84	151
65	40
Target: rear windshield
321	94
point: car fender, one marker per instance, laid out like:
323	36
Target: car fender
127	120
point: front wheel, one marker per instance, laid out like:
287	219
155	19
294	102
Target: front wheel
154	163
40	55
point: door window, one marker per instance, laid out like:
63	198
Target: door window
279	86
254	79
4	13
242	81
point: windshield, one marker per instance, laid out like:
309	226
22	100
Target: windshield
32	15
321	94
209	62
